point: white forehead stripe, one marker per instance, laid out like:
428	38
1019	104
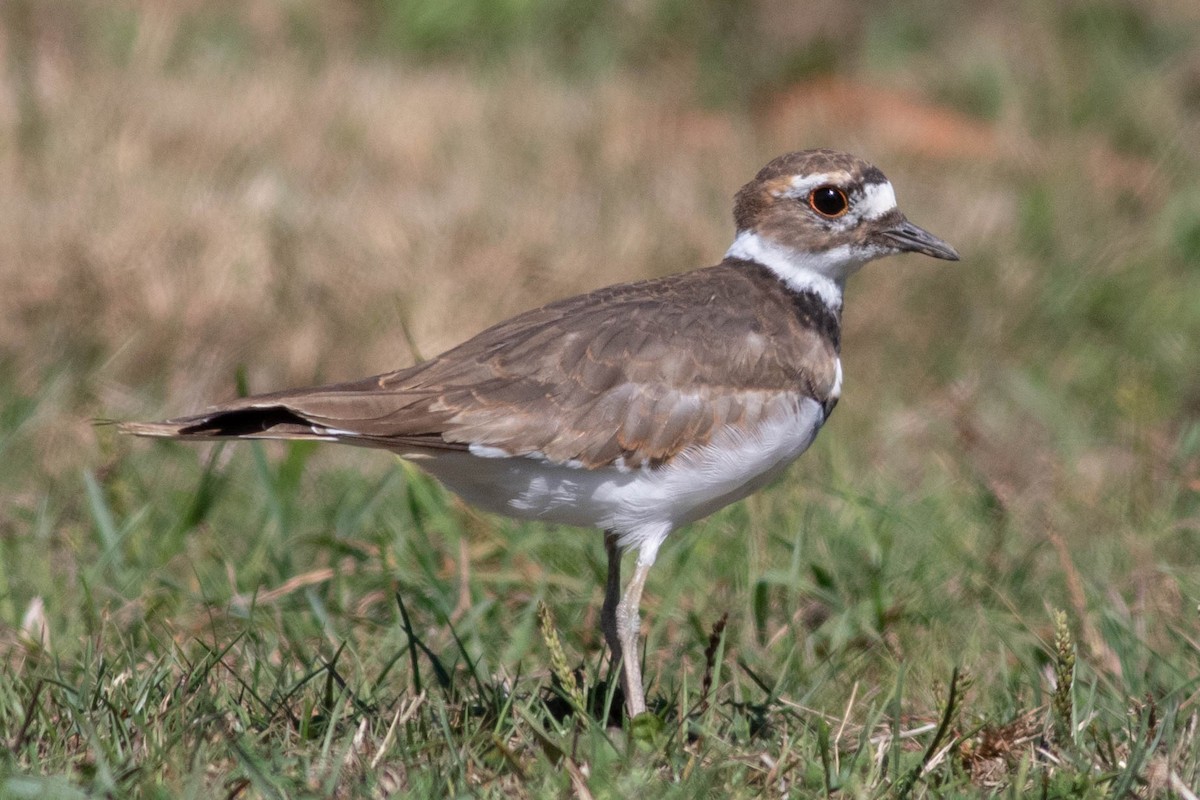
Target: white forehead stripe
878	199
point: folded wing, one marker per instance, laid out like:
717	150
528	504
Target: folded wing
626	375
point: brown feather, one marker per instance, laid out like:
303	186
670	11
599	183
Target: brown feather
637	371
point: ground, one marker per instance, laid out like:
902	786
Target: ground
983	578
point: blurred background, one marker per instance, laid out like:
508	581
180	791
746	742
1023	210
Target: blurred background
195	195
312	191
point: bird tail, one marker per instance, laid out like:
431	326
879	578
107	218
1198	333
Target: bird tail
264	422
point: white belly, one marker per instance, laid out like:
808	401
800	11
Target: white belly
639	504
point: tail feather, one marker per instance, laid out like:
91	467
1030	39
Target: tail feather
273	420
270	422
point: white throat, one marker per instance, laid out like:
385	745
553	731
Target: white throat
822	273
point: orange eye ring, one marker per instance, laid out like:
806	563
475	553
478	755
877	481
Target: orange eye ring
828	201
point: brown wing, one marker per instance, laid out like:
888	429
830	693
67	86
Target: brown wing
635	372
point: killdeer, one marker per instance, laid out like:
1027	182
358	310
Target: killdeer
636	408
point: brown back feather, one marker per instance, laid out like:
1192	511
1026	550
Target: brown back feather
635	371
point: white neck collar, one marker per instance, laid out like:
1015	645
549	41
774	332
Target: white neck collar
802	272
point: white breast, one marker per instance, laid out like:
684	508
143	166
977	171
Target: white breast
642	505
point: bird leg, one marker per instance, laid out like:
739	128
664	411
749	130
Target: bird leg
628	624
612	597
619	621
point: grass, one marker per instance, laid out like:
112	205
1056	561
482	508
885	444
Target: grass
982	579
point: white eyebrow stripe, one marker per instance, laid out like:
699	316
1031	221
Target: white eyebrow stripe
803	184
878	199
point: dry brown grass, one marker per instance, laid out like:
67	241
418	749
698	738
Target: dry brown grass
172	227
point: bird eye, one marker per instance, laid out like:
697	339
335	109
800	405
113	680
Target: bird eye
828	201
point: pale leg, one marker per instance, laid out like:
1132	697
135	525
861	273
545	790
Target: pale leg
628	625
620	621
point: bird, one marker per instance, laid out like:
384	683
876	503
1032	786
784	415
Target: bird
636	408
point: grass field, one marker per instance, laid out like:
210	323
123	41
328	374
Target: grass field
983	579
